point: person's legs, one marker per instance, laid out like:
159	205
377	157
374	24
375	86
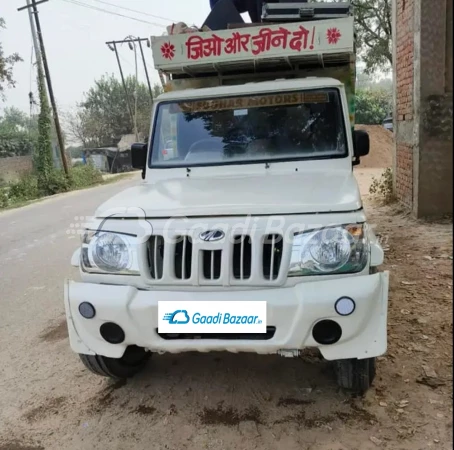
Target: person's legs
253	7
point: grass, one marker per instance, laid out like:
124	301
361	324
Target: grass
25	190
382	187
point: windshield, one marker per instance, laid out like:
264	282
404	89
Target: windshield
249	129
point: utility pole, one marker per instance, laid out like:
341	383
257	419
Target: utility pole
132	46
145	65
128	40
32	4
39	60
113	46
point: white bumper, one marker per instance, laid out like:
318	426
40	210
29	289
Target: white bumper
292	310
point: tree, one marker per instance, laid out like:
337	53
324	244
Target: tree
6	66
374	33
75	151
103	117
18	133
373	23
373	82
372	106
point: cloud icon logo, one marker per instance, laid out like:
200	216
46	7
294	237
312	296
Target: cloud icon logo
180	317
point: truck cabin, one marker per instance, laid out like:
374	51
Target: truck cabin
308	122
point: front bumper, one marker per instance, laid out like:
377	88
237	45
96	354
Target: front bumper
292	310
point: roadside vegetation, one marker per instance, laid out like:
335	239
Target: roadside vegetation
382	188
27	188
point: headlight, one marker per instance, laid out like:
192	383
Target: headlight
333	250
107	252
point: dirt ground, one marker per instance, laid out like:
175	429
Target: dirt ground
244	402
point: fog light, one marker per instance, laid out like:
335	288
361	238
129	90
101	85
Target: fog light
326	332
112	333
344	306
87	310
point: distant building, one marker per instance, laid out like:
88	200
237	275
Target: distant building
113	159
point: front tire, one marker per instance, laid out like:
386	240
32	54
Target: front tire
132	362
356	375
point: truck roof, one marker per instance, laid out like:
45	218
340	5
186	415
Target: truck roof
253	87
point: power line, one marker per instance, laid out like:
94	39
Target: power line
31	4
135	11
95	8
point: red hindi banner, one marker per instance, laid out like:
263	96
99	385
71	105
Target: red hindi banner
328	36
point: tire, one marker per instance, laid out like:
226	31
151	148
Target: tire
132	362
356	375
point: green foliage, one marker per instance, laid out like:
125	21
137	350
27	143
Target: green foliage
103	117
18	145
75	152
6	66
373	20
18	133
372	106
48	181
373	24
27	187
85	175
56	183
383	187
369	81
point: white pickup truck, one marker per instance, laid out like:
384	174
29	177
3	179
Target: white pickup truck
247	233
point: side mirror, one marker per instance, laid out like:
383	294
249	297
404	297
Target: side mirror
361	144
139	155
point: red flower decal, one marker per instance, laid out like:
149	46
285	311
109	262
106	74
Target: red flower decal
168	50
333	35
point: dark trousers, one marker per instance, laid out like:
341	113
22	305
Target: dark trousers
253	7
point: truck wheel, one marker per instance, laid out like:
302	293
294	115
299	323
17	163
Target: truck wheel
133	360
355	375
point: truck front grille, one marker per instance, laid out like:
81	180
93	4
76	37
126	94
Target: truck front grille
272	256
241	259
156	257
183	258
211	261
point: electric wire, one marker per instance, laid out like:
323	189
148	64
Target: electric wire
136	11
95	8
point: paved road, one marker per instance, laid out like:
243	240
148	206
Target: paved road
35	252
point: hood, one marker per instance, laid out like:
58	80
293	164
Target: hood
290	193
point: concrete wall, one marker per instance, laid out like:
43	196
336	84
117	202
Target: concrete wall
423	105
12	168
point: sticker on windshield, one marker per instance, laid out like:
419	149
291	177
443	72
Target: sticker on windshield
240	112
261	101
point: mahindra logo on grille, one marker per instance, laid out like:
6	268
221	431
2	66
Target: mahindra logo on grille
212	235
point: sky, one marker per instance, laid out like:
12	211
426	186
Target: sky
75	36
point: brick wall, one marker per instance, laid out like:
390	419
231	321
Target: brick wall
423	105
404	167
404	73
404	63
12	168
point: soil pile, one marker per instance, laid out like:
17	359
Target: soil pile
381	147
